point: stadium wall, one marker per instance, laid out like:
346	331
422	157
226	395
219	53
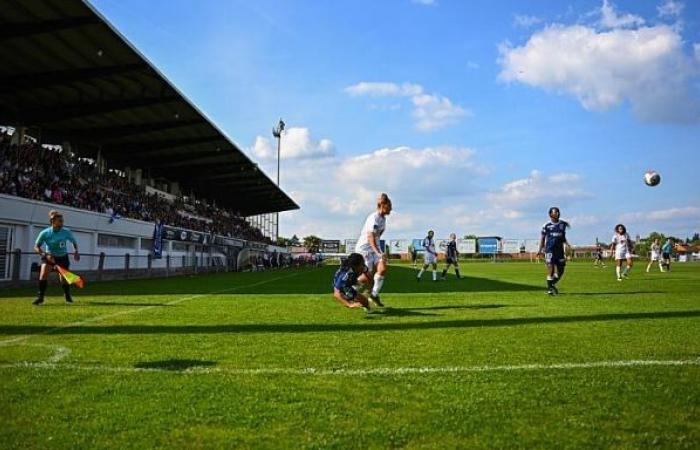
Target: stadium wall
22	219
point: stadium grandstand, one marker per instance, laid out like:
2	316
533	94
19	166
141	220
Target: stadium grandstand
89	126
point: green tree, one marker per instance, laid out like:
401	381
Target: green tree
312	243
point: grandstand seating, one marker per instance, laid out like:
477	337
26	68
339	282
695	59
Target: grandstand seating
54	175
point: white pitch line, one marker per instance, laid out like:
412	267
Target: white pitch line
384	371
138	310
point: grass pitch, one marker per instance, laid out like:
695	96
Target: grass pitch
270	360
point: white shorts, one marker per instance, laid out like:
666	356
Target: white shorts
655	256
622	255
430	258
371	260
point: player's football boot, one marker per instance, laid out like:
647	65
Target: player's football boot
69	298
555	291
376	300
38	301
550	291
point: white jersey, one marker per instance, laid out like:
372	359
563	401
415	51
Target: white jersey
655	251
430	256
623	245
375	223
429	245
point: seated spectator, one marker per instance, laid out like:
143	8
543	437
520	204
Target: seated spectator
54	175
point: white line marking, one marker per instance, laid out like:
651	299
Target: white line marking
385	371
59	353
141	309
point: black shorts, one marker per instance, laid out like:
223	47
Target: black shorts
556	258
62	261
666	255
451	261
349	293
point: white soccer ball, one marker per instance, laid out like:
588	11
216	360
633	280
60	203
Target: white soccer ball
652	178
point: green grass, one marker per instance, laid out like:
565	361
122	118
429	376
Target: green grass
168	363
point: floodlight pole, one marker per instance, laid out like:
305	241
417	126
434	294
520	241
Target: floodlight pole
277	133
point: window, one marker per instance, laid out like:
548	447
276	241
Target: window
114	241
179	247
146	244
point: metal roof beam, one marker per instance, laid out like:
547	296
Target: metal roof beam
102	134
76	111
62	77
18	30
147	148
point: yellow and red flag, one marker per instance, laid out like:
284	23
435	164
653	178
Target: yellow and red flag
70	277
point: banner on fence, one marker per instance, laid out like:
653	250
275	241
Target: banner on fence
350	245
399	246
158	241
489	246
466	246
532	245
175	234
330	246
510	246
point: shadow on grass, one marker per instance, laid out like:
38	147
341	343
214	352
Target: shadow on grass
174	364
293	328
294	281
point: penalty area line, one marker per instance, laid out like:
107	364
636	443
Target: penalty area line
381	371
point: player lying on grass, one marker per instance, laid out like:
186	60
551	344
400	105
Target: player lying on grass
552	242
351	272
55	239
622	248
451	255
655	256
430	257
368	246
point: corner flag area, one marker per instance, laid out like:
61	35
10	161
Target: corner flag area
268	359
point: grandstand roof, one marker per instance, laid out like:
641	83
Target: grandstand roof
66	73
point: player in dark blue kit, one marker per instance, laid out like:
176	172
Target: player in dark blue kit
552	244
346	278
451	257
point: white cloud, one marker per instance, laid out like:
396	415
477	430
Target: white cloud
664	215
383	89
526	21
609	18
425	2
430	111
539	190
646	67
415	172
297	143
670	8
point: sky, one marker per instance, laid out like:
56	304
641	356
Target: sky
475	117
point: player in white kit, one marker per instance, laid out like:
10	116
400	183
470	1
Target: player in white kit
368	246
622	248
655	255
430	257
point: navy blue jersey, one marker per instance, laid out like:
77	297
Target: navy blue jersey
451	250
554	236
345	280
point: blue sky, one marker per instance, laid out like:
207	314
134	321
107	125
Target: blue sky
474	116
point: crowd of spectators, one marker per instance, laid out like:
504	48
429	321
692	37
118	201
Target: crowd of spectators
53	174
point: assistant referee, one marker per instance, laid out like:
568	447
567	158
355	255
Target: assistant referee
54	239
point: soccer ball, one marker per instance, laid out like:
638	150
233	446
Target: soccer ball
652	178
